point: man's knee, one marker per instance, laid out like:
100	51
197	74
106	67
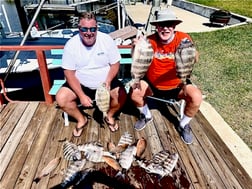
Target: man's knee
63	96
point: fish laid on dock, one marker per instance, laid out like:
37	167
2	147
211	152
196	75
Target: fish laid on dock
125	140
94	152
162	163
48	169
71	151
71	171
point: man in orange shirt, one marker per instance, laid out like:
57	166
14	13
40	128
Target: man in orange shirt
161	79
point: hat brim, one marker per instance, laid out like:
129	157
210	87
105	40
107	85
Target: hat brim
176	22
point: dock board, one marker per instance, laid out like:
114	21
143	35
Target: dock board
31	134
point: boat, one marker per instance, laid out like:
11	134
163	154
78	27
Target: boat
24	73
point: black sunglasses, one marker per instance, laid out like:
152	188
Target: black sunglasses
166	24
85	29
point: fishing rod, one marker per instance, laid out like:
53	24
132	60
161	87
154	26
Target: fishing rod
8	70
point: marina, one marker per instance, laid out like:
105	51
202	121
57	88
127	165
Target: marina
32	132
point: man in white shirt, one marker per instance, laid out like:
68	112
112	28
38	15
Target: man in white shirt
89	60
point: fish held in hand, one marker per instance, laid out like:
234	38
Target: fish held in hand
185	57
102	98
48	169
142	56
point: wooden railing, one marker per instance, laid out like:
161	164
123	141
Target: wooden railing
43	69
42	63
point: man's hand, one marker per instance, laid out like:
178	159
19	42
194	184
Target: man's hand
86	101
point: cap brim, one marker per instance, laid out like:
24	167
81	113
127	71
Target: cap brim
176	22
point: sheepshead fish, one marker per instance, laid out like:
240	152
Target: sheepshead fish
185	57
127	157
102	98
141	59
94	152
70	151
48	169
162	163
125	140
125	160
72	169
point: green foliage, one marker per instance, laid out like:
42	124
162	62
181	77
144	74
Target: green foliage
224	74
242	7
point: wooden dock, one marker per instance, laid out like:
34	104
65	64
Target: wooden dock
30	134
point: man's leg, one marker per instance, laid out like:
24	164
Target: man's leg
138	97
193	97
118	98
66	99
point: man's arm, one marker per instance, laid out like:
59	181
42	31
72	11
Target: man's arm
114	69
76	87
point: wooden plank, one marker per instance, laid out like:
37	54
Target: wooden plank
214	157
10	119
6	112
208	172
66	133
15	166
152	135
29	170
230	146
51	151
192	170
15	137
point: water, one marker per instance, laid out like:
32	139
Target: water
11	16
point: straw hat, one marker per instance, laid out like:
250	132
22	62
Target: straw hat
165	15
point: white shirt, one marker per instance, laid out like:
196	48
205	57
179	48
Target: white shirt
92	64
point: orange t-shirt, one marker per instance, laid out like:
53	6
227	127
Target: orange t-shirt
162	71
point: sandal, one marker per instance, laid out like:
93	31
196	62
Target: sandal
113	127
77	129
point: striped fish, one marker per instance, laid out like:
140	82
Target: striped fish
70	151
102	98
185	57
94	152
141	58
72	169
162	163
127	157
125	140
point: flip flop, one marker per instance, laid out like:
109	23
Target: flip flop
79	129
113	127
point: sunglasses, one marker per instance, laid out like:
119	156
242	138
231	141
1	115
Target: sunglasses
166	24
85	29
